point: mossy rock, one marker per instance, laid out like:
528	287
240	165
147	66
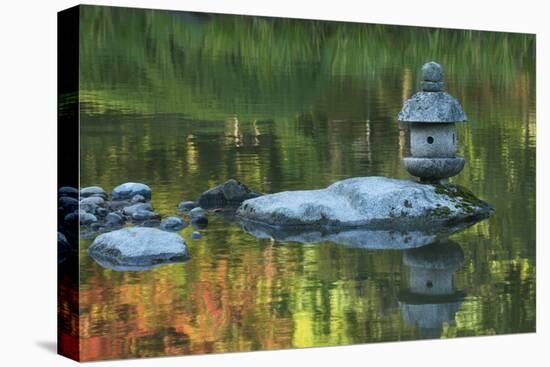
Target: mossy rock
374	202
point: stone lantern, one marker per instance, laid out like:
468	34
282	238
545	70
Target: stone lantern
432	114
431	299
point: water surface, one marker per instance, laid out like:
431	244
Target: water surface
183	102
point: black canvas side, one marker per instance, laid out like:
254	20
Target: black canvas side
68	182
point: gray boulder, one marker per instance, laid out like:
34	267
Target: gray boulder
172	224
229	194
86	218
132	209
373	202
114	219
145	215
93	200
118	205
128	190
138	248
93	191
92	203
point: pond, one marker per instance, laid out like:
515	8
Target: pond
183	102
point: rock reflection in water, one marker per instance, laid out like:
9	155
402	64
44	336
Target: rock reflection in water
360	237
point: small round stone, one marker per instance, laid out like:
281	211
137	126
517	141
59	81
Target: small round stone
68	191
71	219
185	206
145	215
432	72
87	218
172	224
200	222
196	235
196	212
151	223
102	212
95	226
114	219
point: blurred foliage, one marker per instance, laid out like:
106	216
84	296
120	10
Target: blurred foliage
285	64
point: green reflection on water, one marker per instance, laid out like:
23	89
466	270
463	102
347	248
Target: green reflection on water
183	102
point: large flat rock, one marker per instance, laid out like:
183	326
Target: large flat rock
368	202
138	248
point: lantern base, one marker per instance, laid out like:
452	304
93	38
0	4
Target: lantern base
434	169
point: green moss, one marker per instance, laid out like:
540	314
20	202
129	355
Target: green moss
443	211
458	194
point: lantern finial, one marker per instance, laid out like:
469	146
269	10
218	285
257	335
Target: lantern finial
432	77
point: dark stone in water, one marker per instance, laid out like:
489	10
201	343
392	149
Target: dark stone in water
68	204
87	218
132	209
71	220
151	223
145	215
102	212
64	249
93	191
68	191
200	222
185	206
173	224
96	226
229	194
196	235
196	212
91	204
114	219
117	205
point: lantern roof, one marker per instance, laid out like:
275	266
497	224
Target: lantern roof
432	104
437	256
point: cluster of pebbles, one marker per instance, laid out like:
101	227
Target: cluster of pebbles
129	204
90	211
